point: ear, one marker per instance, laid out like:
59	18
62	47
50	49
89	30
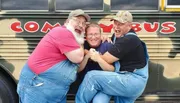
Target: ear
67	21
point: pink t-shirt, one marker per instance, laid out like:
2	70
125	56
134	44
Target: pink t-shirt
51	49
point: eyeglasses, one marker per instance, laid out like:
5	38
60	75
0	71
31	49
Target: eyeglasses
91	35
79	22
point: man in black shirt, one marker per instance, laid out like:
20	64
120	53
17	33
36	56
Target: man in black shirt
127	84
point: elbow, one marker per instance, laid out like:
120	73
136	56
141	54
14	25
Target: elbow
112	69
79	59
75	56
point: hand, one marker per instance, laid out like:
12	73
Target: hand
89	53
95	56
85	51
105	38
92	50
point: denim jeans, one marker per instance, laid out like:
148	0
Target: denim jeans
50	86
125	86
101	98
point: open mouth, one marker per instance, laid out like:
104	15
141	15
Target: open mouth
117	31
78	31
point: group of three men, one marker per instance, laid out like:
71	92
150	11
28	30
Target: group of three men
118	70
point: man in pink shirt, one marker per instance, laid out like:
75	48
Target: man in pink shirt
53	65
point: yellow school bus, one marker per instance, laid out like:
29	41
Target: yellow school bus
157	22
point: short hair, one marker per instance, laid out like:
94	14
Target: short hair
92	24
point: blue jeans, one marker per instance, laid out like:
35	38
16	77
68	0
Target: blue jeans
101	98
50	86
126	87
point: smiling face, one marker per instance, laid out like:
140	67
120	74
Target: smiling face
93	35
77	23
121	28
77	26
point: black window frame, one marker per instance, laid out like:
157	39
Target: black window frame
171	6
52	9
100	10
143	11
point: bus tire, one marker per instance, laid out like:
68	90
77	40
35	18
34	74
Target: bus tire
7	90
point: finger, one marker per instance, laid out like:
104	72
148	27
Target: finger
93	50
103	39
109	40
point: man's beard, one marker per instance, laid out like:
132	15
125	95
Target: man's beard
79	37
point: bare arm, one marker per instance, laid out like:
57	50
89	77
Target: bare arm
109	58
75	56
102	63
83	63
85	60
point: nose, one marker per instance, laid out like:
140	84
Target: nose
93	36
115	27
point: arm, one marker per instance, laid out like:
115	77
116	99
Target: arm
83	63
85	60
121	48
102	63
75	56
109	58
68	45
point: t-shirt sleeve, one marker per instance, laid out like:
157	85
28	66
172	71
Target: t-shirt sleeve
123	46
104	47
108	46
67	42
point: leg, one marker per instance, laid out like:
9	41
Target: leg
101	98
63	100
111	83
124	100
50	89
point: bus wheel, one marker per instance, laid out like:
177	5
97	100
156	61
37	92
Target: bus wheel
7	90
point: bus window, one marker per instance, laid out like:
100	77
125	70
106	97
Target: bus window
134	5
173	2
172	6
79	4
24	4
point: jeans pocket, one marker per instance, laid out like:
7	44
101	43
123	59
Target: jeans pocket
48	90
54	93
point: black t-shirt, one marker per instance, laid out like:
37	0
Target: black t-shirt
91	65
130	52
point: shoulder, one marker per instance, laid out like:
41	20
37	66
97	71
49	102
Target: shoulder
106	44
128	40
133	38
61	31
105	47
